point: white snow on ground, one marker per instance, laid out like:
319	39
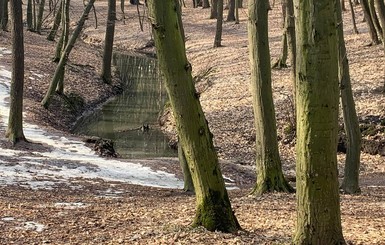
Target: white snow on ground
68	159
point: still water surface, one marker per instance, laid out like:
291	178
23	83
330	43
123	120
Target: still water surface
123	118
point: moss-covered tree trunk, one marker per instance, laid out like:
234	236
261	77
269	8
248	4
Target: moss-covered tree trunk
269	169
15	121
318	206
64	57
213	205
350	182
109	42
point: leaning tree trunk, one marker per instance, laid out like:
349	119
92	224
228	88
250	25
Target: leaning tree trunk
187	179
214	210
64	57
368	18
56	23
15	121
350	183
65	34
109	42
318	206
218	31
353	17
269	169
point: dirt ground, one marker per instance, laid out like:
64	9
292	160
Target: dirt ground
116	213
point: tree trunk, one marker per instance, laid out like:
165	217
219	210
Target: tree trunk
231	13
368	18
281	62
205	4
291	39
381	12
350	183
213	205
343	7
375	20
109	42
187	179
40	16
318	206
236	11
218	32
15	121
29	16
353	17
268	163
64	57
52	33
3	14
214	9
66	31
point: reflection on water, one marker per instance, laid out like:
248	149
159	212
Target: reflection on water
122	119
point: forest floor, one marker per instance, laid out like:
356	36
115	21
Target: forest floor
134	214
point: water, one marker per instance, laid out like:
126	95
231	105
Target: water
122	119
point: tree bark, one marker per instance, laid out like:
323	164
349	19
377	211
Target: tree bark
187	179
353	17
231	13
15	121
213	205
381	12
52	33
214	9
40	16
318	206
3	14
368	18
375	20
218	32
268	163
109	42
64	57
281	62
291	39
350	182
205	4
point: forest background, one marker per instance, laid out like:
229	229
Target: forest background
227	103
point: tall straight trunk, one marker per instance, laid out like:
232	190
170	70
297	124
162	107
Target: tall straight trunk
381	12
213	205
109	42
375	20
353	17
15	122
34	14
64	57
343	7
236	11
281	62
3	14
40	16
291	39
29	16
268	163
218	31
318	206
205	4
369	22
350	183
56	23
231	13
214	9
